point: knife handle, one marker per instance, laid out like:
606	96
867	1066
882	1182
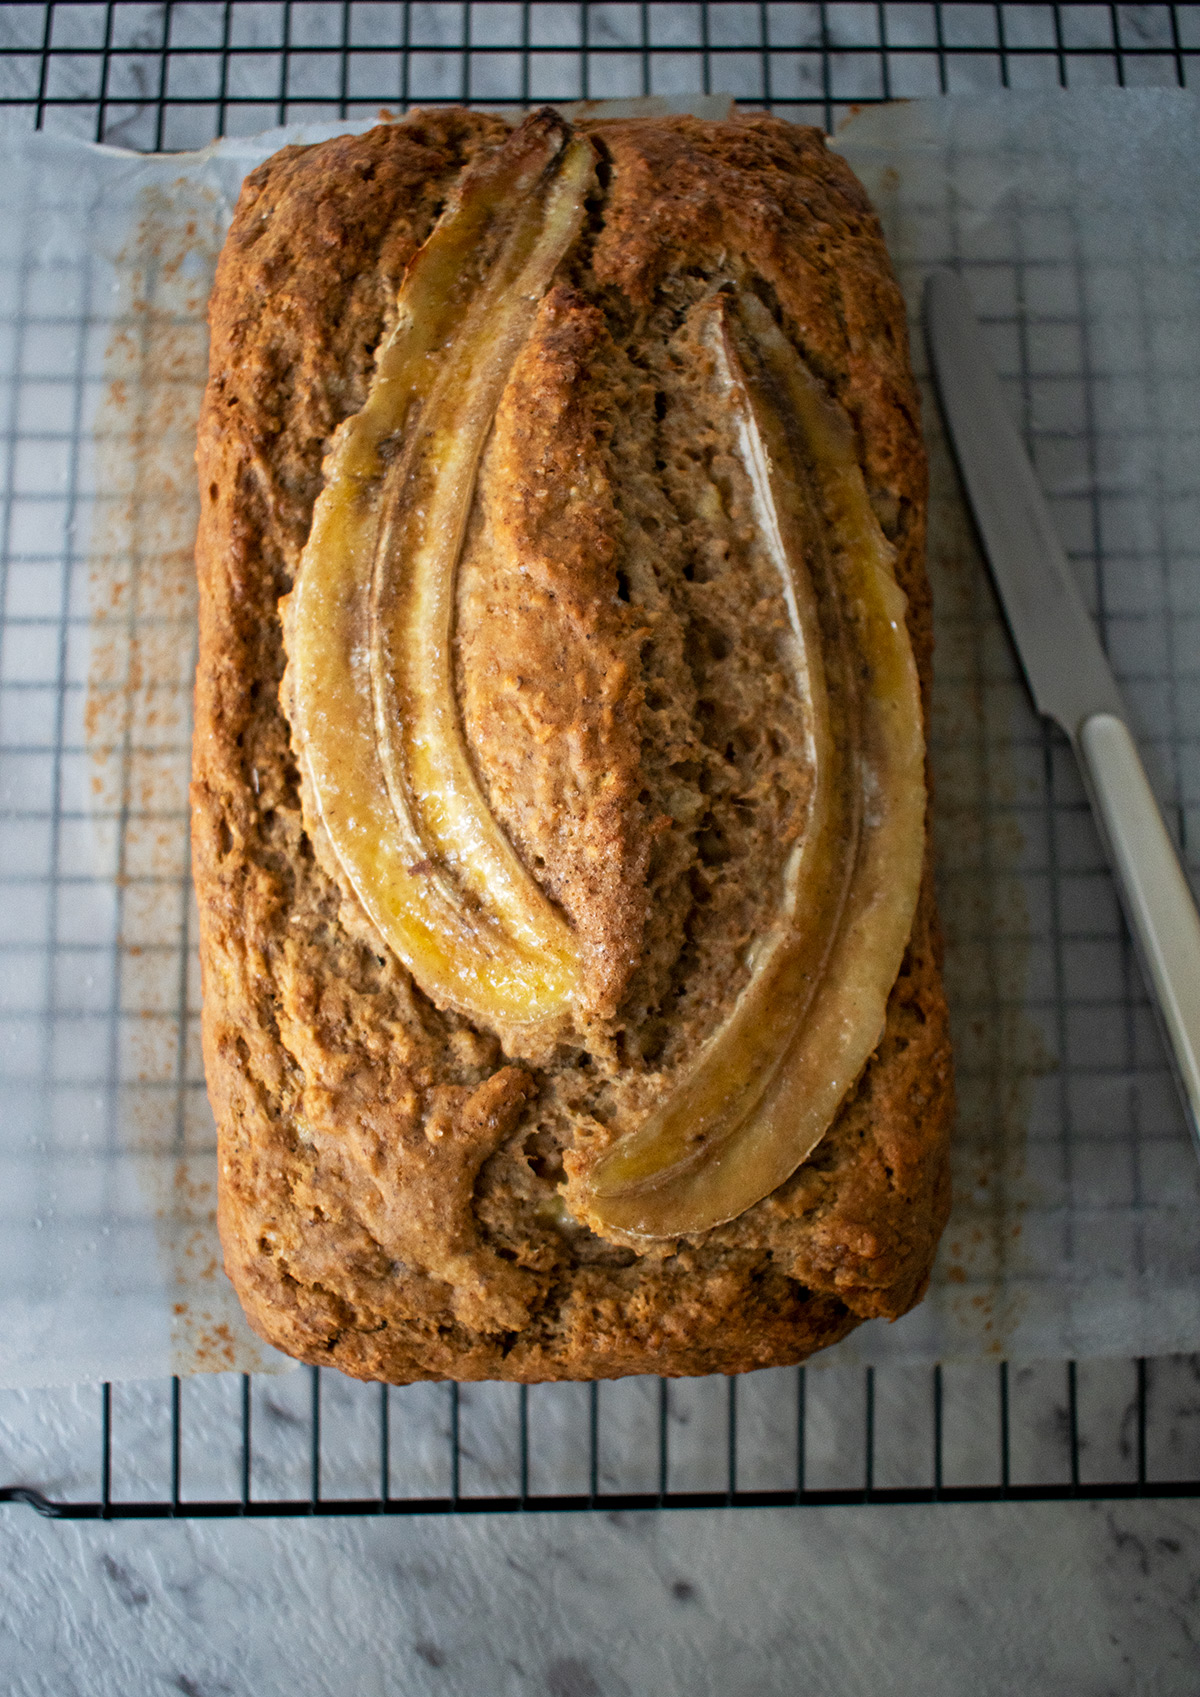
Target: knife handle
1157	898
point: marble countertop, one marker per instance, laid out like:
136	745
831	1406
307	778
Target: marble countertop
1086	1599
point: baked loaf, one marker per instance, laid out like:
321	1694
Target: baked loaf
421	1145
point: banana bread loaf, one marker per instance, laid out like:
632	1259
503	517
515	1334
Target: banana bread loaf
571	986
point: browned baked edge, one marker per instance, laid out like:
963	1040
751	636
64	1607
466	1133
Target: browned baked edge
324	1066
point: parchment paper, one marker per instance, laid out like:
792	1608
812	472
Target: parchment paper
1075	1225
1074	220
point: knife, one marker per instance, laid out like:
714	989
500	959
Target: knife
1067	670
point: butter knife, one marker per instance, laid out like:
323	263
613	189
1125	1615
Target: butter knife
1068	672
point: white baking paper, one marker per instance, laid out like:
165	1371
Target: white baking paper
1075	223
1077	1215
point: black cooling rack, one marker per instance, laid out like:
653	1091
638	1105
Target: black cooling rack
1042	1428
176	75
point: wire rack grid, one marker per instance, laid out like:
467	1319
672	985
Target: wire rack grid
173	76
318	1444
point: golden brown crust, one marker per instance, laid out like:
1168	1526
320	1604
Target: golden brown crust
384	1170
551	670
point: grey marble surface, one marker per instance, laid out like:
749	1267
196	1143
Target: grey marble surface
1087	1599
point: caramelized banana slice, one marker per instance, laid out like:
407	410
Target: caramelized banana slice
429	774
764	1089
369	686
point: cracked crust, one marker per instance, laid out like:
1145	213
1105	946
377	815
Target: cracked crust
538	578
388	1177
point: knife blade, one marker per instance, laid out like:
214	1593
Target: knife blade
1068	673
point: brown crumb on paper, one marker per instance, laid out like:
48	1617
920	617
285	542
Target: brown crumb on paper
137	722
999	1053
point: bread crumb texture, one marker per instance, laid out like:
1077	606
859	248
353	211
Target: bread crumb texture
389	1175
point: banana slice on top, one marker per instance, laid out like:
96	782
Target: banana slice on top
368	624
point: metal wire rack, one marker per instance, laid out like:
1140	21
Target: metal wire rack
175	75
170	76
815	1438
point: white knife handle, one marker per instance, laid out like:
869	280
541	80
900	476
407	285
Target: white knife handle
1158	900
